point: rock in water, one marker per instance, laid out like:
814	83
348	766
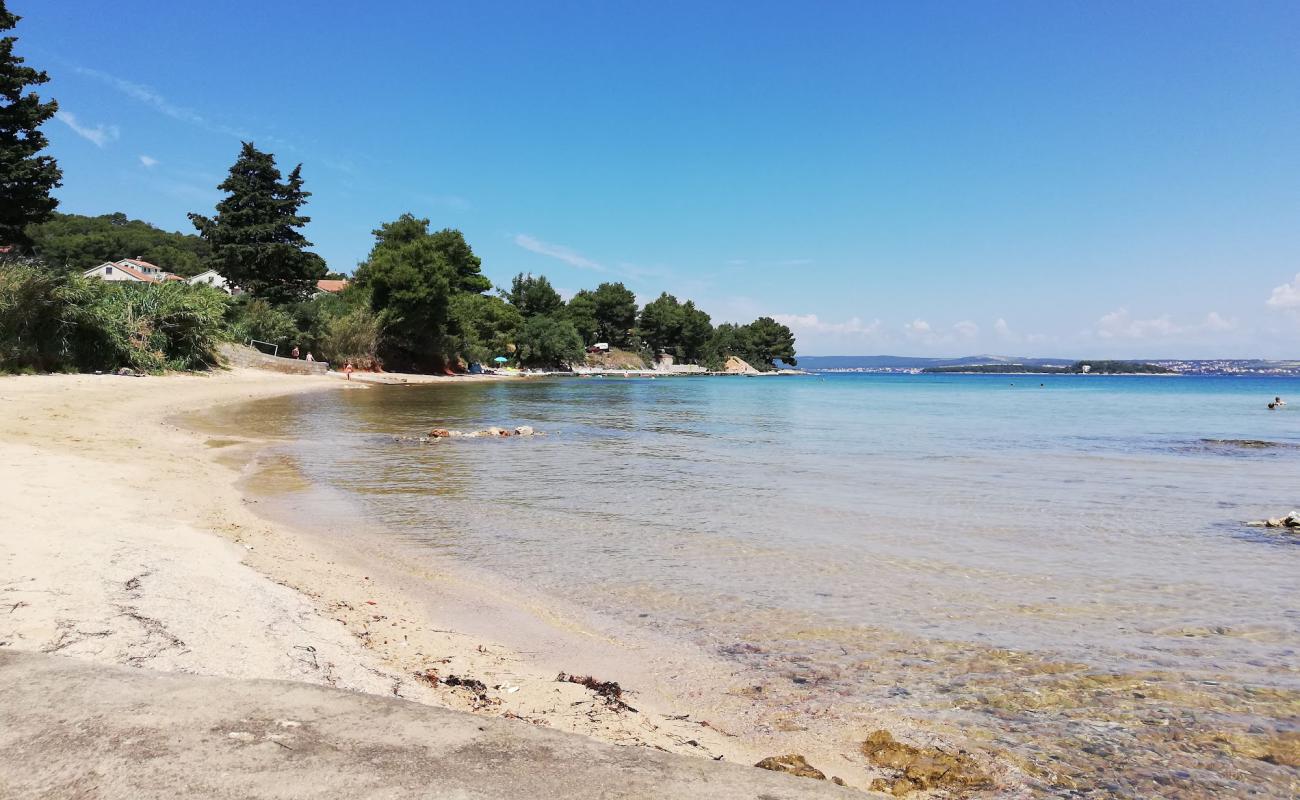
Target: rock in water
921	768
1291	520
793	764
440	433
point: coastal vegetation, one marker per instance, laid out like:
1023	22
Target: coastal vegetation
54	321
27	174
255	238
77	242
419	301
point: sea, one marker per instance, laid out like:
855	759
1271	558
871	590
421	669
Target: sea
1050	569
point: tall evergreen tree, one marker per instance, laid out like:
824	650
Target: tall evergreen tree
615	313
255	239
26	177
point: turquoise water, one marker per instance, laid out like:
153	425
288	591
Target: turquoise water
855	533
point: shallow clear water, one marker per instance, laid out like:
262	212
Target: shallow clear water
837	529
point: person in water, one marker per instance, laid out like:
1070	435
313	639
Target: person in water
1277	401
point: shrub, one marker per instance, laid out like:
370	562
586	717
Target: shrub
257	319
549	342
54	321
158	326
51	321
352	337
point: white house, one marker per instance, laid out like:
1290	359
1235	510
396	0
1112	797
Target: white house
216	279
131	269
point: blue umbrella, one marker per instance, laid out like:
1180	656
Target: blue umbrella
501	359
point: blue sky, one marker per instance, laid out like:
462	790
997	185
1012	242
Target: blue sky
1068	179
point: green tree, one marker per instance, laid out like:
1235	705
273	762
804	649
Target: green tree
696	328
728	339
75	241
533	296
26	176
255	237
615	308
469	274
548	342
486	326
661	324
581	312
410	282
770	341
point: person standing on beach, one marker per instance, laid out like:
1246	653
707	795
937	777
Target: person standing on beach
348	370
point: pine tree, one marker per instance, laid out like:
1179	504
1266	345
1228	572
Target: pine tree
255	240
26	177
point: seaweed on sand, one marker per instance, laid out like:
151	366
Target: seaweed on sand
609	690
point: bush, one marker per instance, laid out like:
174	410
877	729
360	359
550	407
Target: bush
60	322
159	326
257	319
549	342
50	321
352	337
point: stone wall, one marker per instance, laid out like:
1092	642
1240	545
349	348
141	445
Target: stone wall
238	355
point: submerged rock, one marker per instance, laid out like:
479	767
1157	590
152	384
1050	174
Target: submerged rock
921	768
793	764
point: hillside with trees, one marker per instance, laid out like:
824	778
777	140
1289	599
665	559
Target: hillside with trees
78	242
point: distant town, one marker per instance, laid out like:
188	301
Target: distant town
904	365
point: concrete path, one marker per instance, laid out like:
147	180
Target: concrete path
75	729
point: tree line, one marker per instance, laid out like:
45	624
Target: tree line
419	301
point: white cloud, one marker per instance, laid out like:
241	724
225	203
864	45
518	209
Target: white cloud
966	329
1287	295
812	324
557	251
148	162
1003	331
918	328
99	135
1215	322
1121	325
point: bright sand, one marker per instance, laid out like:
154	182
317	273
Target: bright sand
125	540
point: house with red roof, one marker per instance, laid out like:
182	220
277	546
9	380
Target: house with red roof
330	286
131	269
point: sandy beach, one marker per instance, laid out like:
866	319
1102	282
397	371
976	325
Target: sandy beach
128	543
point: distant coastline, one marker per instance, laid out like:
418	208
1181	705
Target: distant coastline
1006	365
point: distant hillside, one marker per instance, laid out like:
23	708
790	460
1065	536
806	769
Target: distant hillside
1077	368
78	242
913	362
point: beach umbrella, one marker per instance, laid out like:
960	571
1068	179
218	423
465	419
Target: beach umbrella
501	359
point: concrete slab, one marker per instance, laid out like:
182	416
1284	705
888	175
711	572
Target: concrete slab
75	729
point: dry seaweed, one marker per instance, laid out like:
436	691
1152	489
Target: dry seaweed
609	690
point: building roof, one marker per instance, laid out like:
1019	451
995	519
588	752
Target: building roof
134	268
332	286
